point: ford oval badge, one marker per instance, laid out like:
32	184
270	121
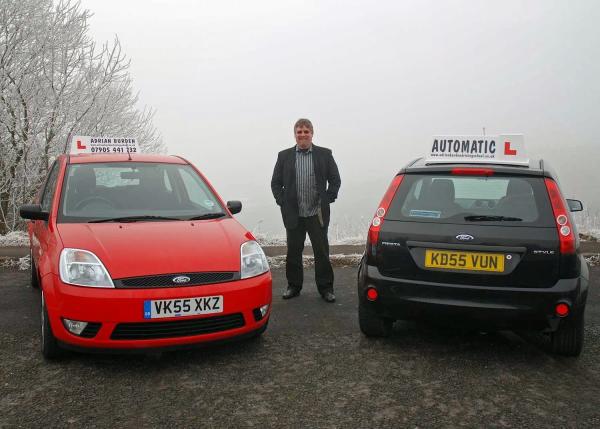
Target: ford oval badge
181	279
464	237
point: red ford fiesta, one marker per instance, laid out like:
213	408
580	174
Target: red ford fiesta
137	252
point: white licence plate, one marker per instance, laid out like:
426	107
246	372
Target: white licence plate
157	309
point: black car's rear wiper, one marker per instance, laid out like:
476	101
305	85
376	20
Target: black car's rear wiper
133	218
207	216
476	218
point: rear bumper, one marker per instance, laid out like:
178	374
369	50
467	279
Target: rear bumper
497	307
113	307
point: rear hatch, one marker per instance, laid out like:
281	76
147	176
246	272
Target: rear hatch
493	230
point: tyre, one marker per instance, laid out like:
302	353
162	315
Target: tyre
50	348
567	340
35	279
373	325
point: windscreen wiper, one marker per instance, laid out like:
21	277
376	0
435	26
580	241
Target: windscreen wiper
476	218
207	216
133	218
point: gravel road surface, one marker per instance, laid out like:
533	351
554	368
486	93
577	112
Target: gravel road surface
312	368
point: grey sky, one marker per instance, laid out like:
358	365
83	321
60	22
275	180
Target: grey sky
229	78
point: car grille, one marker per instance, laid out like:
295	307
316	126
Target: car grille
166	280
176	328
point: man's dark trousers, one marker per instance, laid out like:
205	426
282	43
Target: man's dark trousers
295	246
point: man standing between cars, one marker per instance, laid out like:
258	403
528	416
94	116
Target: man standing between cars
305	181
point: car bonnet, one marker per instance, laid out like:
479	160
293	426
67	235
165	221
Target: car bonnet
147	248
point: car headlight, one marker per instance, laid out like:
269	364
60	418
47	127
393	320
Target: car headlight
254	261
83	268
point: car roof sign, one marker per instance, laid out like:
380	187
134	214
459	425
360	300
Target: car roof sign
104	145
498	149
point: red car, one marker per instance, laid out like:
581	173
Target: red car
139	252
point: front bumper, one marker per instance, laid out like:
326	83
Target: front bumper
497	307
112	307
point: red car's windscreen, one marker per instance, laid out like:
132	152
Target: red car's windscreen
104	191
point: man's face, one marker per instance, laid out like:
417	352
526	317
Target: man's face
303	137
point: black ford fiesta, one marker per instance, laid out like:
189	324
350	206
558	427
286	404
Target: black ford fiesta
490	244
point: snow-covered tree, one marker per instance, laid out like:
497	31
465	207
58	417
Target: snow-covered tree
55	81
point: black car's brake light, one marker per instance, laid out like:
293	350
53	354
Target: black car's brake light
468	171
566	235
382	209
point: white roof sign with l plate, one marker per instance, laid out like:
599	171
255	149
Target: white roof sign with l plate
500	149
104	145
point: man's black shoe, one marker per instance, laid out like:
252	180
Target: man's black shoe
291	293
328	297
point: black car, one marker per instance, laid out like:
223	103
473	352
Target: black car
490	244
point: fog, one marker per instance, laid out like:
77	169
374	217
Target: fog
228	80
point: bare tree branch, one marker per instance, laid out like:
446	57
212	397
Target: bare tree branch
54	80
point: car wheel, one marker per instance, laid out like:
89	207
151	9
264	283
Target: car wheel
567	340
50	348
372	325
35	280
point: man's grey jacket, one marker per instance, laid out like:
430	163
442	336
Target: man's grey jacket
283	183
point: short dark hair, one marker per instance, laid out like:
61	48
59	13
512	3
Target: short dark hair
303	122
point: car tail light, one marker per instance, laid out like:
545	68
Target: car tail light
562	309
472	171
380	213
372	294
566	234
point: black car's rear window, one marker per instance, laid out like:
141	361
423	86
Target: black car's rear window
470	199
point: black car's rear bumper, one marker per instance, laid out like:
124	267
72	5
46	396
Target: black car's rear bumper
498	307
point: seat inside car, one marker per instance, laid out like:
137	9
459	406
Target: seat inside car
153	192
518	201
83	184
440	196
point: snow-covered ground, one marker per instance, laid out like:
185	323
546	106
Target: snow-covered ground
339	260
21	264
269	239
15	238
588	223
272	240
589	234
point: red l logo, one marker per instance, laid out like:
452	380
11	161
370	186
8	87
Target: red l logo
508	150
80	146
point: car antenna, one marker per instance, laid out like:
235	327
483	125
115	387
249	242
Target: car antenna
128	152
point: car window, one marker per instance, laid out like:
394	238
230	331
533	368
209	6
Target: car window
50	188
96	191
167	181
115	176
197	191
451	198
